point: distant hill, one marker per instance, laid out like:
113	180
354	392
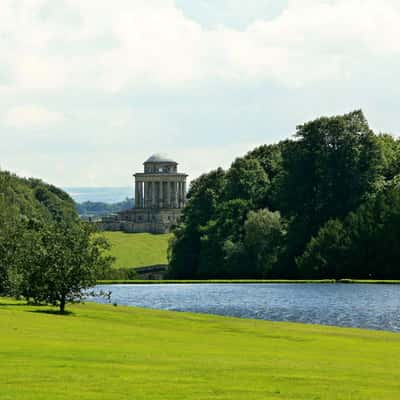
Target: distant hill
108	195
89	209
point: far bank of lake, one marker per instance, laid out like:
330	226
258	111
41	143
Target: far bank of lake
370	306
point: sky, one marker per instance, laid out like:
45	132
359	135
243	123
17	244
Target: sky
90	89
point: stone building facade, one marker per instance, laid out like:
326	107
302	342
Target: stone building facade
160	195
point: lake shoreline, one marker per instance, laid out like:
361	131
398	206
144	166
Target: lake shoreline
241	281
359	305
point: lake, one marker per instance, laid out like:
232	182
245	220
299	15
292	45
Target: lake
352	305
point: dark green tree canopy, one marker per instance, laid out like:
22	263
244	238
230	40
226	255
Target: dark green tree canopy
247	180
333	185
330	167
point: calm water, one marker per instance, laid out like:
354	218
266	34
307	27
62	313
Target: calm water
363	306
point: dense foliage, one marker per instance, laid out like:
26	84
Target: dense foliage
325	204
47	254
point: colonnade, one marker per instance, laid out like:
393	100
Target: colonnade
160	193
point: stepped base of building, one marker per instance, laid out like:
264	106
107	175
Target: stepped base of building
142	220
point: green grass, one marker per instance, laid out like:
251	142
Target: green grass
138	249
106	352
371	281
182	281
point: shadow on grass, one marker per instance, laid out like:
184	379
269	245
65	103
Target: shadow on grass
13	304
52	312
43	308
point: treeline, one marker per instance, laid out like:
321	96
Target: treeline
325	204
47	254
90	209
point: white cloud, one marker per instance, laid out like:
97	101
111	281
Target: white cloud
155	43
142	73
31	116
110	168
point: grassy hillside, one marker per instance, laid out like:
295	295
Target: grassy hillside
34	200
106	352
138	249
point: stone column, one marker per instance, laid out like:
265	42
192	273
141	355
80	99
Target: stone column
146	194
160	195
173	194
136	194
184	192
179	194
142	187
153	194
168	203
139	186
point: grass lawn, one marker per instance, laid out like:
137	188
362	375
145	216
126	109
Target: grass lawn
106	352
138	249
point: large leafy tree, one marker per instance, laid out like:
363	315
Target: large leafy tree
326	254
46	253
264	240
390	148
246	179
61	261
203	199
226	227
364	245
330	168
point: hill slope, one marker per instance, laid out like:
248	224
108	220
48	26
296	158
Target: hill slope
138	249
34	199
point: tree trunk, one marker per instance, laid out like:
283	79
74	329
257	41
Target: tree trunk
62	304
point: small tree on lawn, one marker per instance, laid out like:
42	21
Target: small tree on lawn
62	260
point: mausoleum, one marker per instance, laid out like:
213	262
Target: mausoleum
160	195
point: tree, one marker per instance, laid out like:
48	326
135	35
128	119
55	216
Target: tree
185	248
328	185
8	243
374	231
270	158
364	245
330	168
326	255
264	237
390	148
61	261
227	225
247	180
11	229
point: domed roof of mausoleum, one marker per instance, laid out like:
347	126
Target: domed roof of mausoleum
160	158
